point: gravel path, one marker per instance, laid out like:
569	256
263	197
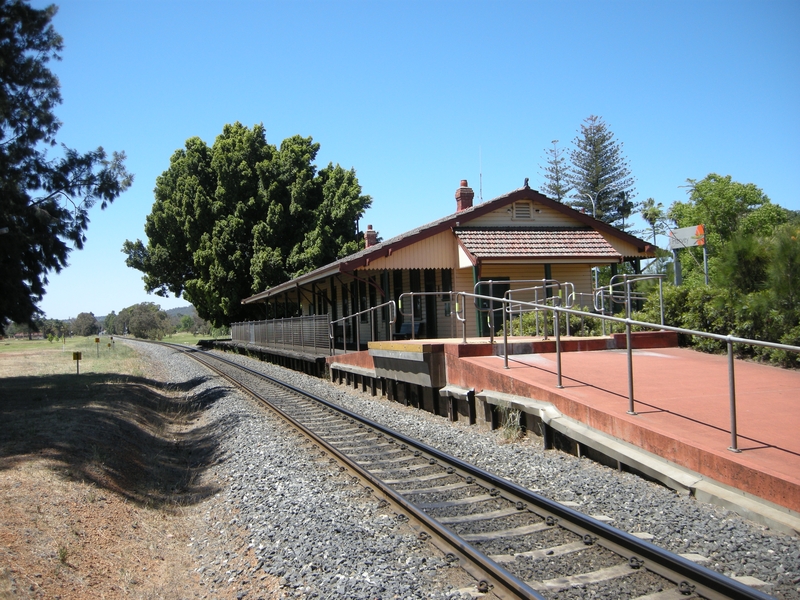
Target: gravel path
302	523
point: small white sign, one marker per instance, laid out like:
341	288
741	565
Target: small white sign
686	237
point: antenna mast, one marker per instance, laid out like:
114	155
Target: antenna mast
480	173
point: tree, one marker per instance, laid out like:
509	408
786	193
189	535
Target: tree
110	323
600	173
555	174
44	200
783	271
231	220
144	320
742	265
186	323
754	268
85	324
654	215
725	208
51	327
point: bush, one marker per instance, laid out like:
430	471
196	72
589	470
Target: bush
587	325
754	316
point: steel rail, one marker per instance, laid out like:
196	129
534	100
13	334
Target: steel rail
705	582
490	576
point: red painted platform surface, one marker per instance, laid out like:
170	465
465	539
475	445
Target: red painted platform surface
682	401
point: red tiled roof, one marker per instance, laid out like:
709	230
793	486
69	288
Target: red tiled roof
540	242
359	259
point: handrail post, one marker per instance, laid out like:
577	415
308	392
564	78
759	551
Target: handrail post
505	339
491	312
661	297
631	409
413	337
558	347
464	320
732	393
603	311
390	324
627	297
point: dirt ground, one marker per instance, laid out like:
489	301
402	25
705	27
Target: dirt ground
106	481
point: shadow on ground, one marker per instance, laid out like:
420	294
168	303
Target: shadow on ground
147	441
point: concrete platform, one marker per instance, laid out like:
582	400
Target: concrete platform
680	434
682	406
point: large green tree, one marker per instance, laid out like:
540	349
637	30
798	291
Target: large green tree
44	199
599	173
726	207
144	320
85	324
754	268
235	218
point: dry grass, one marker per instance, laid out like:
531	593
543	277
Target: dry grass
103	475
110	425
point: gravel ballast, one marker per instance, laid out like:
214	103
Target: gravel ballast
328	538
284	511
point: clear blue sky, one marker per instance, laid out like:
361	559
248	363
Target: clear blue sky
417	95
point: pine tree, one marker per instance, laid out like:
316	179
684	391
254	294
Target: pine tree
600	174
44	198
555	174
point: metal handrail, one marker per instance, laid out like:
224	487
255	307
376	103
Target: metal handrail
629	323
566	290
625	280
452	296
302	331
545	285
370	311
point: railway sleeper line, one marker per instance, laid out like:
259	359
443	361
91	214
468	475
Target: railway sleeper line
514	542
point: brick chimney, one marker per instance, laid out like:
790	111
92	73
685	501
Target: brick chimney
464	196
370	237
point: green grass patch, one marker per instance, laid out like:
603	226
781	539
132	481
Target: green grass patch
184	337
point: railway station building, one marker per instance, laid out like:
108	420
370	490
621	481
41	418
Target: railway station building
486	248
515	243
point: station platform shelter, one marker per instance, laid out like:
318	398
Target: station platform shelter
679	434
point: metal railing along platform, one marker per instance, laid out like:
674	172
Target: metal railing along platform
300	334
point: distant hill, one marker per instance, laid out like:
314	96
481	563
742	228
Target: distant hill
173	313
182	310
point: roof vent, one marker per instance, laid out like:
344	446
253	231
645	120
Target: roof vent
522	211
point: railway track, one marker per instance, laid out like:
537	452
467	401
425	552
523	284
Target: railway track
516	543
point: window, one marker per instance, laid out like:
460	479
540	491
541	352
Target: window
447	284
